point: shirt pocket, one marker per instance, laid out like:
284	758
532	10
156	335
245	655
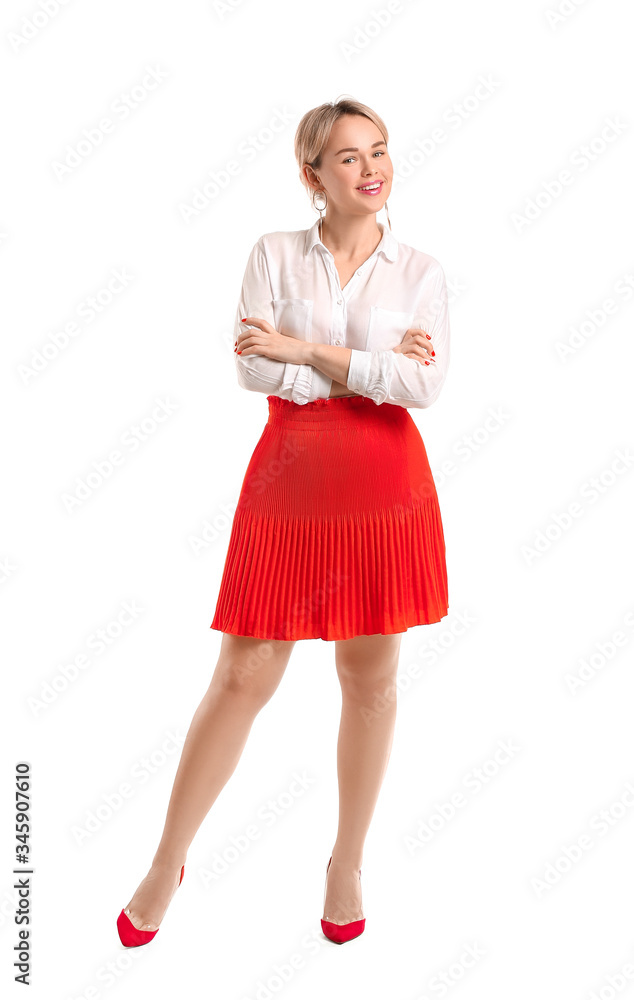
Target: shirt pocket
386	328
294	318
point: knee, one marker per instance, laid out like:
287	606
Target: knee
365	685
241	679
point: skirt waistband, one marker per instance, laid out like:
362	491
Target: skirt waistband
332	410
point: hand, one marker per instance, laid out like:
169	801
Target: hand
267	341
416	344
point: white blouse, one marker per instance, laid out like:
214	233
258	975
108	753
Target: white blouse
291	281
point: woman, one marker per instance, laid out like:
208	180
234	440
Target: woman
337	533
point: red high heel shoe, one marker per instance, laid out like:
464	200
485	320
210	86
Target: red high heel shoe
130	935
341	932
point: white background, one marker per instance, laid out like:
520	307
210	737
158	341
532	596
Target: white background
518	433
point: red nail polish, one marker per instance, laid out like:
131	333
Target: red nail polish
427	362
239	352
243	320
428	337
433	353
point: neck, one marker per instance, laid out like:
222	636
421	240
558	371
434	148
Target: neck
348	236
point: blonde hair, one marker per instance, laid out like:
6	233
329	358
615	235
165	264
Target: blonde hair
313	131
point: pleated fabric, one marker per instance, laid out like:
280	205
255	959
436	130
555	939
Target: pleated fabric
337	531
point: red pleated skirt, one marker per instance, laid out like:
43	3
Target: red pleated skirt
337	531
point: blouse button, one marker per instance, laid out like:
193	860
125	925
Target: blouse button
338	302
338	341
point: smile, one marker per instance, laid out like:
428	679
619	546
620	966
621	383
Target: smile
372	189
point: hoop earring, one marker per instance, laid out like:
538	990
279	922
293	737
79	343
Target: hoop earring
388	215
320	208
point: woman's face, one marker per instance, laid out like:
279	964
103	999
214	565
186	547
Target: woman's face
356	155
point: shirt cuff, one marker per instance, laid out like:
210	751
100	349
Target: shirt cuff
309	384
359	371
322	384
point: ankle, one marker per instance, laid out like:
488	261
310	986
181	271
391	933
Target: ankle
351	861
169	859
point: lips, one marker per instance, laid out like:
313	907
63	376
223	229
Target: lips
374	190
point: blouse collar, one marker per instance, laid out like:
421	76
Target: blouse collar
387	246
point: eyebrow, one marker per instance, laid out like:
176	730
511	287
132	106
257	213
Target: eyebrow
355	149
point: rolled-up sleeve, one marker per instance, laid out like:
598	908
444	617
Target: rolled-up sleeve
299	383
389	377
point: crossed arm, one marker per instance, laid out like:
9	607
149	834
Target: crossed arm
410	374
333	362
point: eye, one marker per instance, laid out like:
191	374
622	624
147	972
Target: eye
377	152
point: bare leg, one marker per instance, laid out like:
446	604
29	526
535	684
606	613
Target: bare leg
367	667
246	675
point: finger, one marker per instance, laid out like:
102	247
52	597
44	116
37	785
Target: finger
261	324
420	354
250	337
254	349
253	323
427	347
423	339
424	350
